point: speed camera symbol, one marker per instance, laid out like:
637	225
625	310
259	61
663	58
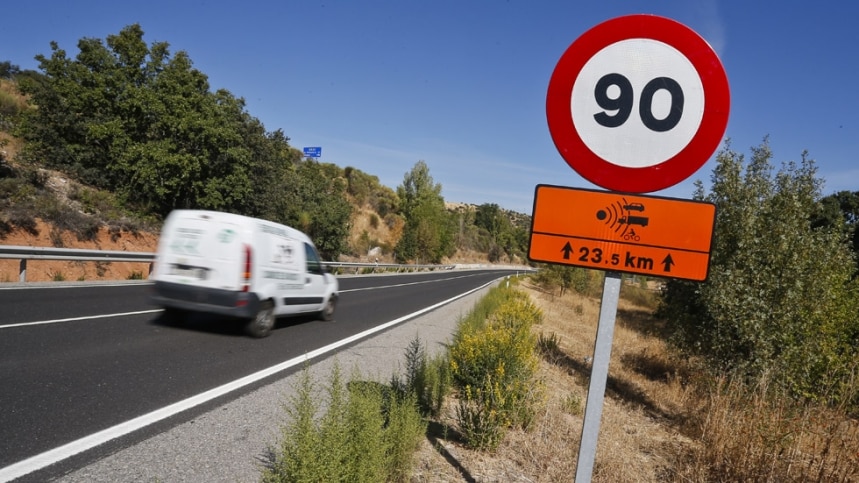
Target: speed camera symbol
621	215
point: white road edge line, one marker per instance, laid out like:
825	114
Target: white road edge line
73	319
50	457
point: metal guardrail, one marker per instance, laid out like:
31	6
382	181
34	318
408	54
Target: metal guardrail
25	253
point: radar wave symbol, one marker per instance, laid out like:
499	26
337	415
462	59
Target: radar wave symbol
612	216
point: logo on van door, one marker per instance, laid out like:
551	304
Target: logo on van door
226	235
284	254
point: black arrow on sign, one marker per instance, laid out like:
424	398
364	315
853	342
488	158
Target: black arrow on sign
567	250
667	263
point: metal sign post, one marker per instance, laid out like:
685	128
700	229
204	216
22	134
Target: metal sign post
599	376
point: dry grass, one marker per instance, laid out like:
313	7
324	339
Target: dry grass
661	420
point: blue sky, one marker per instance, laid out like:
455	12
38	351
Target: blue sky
461	85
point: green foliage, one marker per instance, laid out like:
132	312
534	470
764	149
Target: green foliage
489	229
493	364
573	404
580	280
366	189
8	70
311	199
428	235
549	346
779	298
136	275
132	118
427	379
639	295
368	433
841	210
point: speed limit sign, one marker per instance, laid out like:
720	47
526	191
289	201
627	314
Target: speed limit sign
638	103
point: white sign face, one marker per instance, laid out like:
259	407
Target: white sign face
637	103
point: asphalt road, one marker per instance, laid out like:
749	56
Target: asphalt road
76	360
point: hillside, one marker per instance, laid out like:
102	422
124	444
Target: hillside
49	208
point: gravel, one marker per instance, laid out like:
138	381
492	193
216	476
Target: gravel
230	443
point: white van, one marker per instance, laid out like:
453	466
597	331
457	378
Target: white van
238	266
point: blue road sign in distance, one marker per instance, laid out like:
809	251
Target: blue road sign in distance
313	152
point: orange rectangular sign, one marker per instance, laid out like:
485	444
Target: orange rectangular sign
648	235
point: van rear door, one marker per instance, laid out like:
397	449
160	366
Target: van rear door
203	249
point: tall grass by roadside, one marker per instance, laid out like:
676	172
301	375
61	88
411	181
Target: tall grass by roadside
368	433
756	432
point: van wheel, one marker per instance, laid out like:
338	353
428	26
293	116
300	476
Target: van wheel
261	325
327	312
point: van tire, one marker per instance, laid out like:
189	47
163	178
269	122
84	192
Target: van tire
261	325
327	312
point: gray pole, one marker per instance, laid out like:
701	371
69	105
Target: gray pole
599	376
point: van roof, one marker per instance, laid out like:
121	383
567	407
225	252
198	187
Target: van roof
238	219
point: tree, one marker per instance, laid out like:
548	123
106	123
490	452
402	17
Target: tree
841	209
779	298
428	235
133	119
8	70
316	204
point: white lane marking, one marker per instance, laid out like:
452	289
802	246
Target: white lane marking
54	285
142	312
43	460
73	319
375	287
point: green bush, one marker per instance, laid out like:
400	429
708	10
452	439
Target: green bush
780	298
493	363
368	433
135	275
563	278
428	379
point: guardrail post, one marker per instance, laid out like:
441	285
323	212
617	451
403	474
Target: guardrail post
22	270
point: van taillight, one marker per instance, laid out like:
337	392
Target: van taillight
246	283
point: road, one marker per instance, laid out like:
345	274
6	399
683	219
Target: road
79	360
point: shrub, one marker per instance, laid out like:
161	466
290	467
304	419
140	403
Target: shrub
428	380
549	346
369	432
493	364
780	298
573	404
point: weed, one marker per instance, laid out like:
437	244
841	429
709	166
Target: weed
572	404
101	268
368	433
549	345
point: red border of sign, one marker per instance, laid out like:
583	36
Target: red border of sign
671	171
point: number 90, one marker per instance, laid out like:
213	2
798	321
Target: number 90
622	104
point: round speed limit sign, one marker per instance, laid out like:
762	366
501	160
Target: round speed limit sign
638	103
